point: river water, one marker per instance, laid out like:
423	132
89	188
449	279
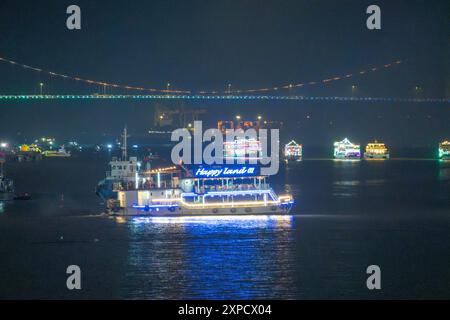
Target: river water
394	214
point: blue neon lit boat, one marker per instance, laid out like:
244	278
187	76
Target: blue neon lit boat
345	150
202	190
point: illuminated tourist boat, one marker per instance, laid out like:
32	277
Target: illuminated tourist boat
123	173
202	190
346	150
376	150
444	150
293	151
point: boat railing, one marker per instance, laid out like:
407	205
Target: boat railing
236	187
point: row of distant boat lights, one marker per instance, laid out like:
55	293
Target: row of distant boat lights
345	149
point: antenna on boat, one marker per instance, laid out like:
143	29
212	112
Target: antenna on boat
124	143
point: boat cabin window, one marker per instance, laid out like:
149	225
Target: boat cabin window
227	184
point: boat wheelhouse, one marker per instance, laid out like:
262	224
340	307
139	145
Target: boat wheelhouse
444	150
203	190
376	150
293	151
346	150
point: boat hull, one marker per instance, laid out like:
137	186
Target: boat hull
105	191
57	155
187	212
369	156
347	158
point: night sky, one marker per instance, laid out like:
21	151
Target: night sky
205	45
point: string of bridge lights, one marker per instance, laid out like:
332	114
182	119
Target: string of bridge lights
202	92
309	83
92	82
224	97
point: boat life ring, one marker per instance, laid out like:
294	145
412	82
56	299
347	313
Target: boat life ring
171	209
233	210
215	210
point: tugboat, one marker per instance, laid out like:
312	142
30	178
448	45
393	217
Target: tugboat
59	153
122	173
345	150
376	150
444	150
293	151
203	190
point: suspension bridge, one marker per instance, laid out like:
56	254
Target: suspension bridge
266	93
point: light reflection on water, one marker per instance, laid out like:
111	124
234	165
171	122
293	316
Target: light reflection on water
444	170
210	257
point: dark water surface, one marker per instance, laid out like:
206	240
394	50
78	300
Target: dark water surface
395	214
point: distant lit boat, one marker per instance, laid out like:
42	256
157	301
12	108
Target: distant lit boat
200	191
242	148
444	150
293	151
29	153
62	153
346	150
122	174
376	150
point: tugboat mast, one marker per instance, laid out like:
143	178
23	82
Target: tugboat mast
124	144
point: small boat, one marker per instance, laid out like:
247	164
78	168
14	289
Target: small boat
22	196
62	153
444	150
346	150
376	150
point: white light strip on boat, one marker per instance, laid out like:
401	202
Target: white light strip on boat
281	200
213	219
